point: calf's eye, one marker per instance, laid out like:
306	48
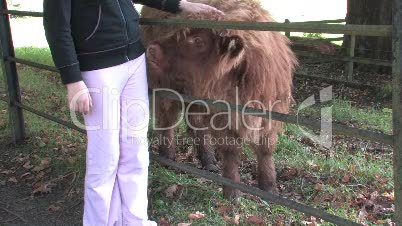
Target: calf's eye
197	41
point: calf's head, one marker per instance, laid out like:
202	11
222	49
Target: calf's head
194	56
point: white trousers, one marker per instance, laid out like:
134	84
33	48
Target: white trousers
117	162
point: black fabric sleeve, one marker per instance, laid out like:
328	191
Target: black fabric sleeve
171	6
56	21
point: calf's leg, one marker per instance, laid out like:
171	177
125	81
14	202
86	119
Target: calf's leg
205	149
231	162
266	167
166	118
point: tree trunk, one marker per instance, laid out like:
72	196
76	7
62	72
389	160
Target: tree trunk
370	12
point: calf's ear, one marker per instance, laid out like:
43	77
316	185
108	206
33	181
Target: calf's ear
232	45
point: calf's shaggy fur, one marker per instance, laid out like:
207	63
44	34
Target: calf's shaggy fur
252	68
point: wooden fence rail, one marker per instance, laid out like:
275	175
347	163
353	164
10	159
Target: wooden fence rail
350	59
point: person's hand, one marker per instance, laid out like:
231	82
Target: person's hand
79	98
192	7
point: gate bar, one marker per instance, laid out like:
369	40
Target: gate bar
51	118
47	116
296	75
363	30
11	77
397	107
293	119
33	64
22	13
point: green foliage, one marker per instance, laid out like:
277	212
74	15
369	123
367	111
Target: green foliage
385	91
313	35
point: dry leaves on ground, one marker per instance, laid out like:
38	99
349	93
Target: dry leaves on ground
196	215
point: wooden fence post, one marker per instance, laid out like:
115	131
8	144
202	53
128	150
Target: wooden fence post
351	53
397	107
11	77
287	21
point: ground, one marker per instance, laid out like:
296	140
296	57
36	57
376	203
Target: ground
20	207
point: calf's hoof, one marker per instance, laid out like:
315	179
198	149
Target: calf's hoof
164	152
212	168
232	195
270	188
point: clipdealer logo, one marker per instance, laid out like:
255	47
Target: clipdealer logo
325	137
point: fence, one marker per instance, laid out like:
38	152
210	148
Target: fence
350	59
338	21
16	108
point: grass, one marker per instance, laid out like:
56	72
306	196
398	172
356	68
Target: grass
364	117
38	55
313	165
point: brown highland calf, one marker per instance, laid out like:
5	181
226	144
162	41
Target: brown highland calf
252	68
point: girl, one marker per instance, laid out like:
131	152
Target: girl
96	46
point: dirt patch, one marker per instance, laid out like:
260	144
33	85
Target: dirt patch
18	206
362	97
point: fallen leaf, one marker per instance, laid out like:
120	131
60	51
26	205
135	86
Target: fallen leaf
38	168
362	216
322	198
223	210
374	195
42	189
25	174
312	164
45	162
197	215
54	208
21	158
13	179
201	180
255	220
237	220
45	140
381	179
318	187
289	173
346	178
279	220
28	165
43	165
313	221
227	219
40	175
72	160
392	196
163	222
171	191
6	172
308	142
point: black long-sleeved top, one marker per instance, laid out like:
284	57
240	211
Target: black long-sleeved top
85	35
